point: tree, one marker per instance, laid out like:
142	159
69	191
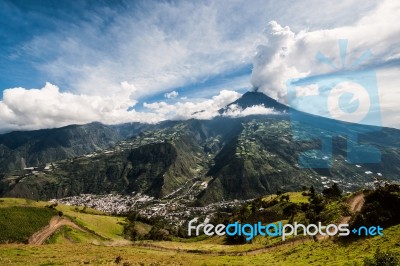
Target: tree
312	191
285	197
157	233
314	208
381	207
333	192
290	211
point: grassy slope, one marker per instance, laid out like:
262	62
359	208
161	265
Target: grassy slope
142	228
311	253
295	197
217	244
109	227
106	226
18	223
66	235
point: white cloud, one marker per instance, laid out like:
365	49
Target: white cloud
389	93
111	59
203	109
171	95
207	109
288	55
158	46
23	109
236	111
48	107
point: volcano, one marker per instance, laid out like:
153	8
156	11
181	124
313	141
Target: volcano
233	158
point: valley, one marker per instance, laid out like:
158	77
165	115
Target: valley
97	238
131	189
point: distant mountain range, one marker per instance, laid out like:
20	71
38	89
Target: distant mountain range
232	158
22	149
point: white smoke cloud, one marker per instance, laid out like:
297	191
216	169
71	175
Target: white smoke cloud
271	68
161	45
235	110
205	109
288	55
159	57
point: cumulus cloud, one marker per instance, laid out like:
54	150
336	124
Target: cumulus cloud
26	109
157	47
287	55
207	109
235	110
203	109
161	45
48	107
171	95
111	59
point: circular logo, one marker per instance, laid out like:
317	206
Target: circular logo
349	101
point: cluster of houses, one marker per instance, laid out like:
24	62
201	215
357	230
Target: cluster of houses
175	212
109	203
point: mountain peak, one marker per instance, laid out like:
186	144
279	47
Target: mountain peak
252	98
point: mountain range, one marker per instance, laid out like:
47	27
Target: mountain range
224	158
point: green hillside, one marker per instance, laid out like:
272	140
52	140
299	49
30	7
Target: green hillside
68	235
19	223
103	242
20	218
327	252
238	158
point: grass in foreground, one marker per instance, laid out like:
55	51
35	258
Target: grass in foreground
18	223
68	235
109	227
24	211
310	253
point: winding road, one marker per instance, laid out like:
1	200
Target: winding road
355	204
56	222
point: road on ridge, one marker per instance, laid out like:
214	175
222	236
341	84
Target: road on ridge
56	222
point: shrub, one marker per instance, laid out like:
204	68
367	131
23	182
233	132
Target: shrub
381	258
158	234
380	207
333	192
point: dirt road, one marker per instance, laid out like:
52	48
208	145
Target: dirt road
56	222
355	204
289	242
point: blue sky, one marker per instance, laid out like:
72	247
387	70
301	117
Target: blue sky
25	22
64	62
21	21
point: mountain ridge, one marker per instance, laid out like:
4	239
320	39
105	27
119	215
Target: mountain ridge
235	158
